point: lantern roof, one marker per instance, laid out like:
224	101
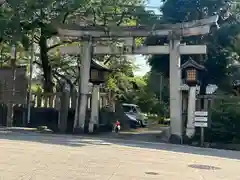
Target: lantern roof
99	66
192	63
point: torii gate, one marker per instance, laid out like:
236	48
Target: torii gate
174	49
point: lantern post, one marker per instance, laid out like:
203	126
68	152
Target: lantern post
98	75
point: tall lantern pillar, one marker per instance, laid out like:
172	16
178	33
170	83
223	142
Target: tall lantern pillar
98	75
192	73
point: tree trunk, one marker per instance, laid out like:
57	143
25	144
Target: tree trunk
47	69
10	111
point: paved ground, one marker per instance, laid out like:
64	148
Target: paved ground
38	157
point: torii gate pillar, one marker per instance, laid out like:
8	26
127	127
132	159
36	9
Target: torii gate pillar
176	124
86	56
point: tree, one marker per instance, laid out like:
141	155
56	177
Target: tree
42	16
221	52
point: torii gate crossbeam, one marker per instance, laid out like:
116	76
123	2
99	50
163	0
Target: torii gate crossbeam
144	50
183	29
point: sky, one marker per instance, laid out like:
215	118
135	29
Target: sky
141	62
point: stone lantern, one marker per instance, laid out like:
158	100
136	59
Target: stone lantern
98	75
192	72
192	75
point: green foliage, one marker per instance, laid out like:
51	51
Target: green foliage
222	44
24	20
135	90
19	18
225	121
36	88
184	10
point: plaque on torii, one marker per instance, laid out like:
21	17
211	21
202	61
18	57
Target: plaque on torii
174	49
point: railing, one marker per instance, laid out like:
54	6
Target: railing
52	100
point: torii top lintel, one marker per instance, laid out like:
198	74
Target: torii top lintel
193	28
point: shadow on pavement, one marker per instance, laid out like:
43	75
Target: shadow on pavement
111	139
52	139
179	148
148	136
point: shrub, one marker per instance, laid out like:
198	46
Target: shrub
225	122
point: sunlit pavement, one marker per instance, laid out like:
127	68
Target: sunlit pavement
44	157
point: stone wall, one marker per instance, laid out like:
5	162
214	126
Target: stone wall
20	85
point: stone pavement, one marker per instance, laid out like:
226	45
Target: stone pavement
43	157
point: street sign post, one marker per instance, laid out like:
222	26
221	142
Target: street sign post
201	120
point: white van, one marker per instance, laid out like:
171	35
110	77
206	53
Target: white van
134	113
